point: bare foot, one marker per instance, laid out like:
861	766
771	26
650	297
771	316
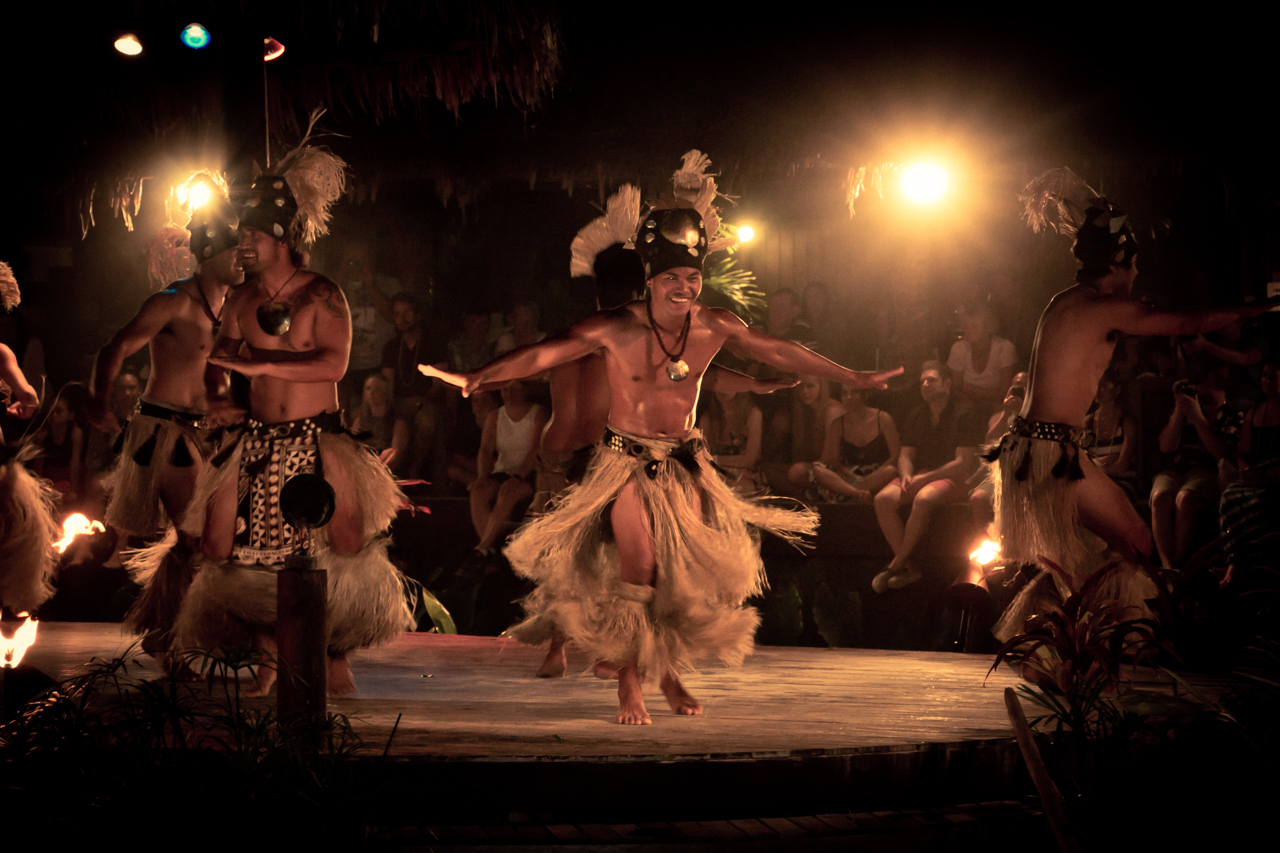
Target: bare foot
266	675
631	711
905	577
678	698
341	681
554	665
605	670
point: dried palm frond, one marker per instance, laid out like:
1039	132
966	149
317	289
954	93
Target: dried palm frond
695	188
1056	199
168	256
10	295
861	180
617	225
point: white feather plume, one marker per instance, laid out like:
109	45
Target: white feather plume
1057	199
617	225
697	189
317	178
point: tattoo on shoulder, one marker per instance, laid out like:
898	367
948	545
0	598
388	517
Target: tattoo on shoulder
325	292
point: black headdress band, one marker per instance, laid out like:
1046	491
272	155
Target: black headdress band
1104	239
670	238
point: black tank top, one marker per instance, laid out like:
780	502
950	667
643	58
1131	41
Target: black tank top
873	453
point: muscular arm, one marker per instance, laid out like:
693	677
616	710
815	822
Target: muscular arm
332	335
732	381
791	356
154	315
583	339
25	400
1246	357
1134	318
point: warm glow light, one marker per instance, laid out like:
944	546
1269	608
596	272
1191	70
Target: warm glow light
271	49
11	651
199	195
924	183
986	552
76	524
746	233
129	45
195	36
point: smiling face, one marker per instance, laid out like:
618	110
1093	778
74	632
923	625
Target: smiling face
225	267
259	251
676	289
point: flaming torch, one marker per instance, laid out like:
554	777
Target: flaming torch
18	683
75	525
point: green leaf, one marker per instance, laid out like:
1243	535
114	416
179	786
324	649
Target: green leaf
439	614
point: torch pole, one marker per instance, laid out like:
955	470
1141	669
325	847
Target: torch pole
302	637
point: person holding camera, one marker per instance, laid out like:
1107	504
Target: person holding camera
1201	434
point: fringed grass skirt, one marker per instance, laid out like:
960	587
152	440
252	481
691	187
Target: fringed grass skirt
27	533
1036	511
706	542
151	445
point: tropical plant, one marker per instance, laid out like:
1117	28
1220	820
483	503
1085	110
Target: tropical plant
726	285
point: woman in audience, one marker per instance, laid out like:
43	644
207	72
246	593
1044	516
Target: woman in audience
388	435
981	361
733	425
811	417
1115	434
1250	508
861	447
62	444
505	465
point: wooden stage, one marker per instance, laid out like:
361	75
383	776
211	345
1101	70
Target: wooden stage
794	730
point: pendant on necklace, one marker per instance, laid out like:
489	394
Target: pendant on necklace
677	370
274	318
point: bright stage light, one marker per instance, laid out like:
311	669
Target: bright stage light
129	45
746	233
195	36
924	183
271	49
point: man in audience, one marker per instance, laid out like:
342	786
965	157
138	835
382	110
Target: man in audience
939	451
416	398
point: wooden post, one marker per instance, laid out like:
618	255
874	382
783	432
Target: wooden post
1050	797
302	635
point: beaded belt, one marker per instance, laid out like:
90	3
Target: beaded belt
164	413
1048	431
685	452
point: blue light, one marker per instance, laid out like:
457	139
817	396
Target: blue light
195	36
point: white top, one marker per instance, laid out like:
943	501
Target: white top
507	342
514	439
1002	356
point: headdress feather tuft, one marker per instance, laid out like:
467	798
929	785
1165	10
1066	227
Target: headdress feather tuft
10	295
617	225
1057	199
317	178
697	189
167	256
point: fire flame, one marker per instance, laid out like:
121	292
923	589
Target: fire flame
75	525
986	552
11	651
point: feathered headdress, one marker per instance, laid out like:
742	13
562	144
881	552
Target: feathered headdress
167	256
681	230
292	203
1061	200
10	295
203	200
616	225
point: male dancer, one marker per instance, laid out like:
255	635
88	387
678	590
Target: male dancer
170	435
646	563
1043	492
289	332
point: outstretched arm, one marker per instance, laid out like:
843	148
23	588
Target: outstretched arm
792	357
1133	318
155	313
25	401
584	338
731	381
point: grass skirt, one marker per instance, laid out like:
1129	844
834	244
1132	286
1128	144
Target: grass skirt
706	541
135	506
229	603
27	533
1037	516
165	571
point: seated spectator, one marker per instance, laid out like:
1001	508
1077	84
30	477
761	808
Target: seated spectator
471	349
505	465
939	452
464	439
860	450
1250	508
784	318
100	445
828	326
981	361
1242	349
523	331
732	426
982	498
387	433
61	441
1201	434
811	413
415	397
1115	434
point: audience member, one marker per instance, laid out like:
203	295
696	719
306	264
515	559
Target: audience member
981	361
1250	508
1201	436
811	412
464	438
377	424
982	498
61	441
471	350
371	316
1115	434
861	447
1242	349
505	465
416	398
939	452
732	425
524	328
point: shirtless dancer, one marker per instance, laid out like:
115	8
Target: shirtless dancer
1043	488
580	389
289	331
663	586
170	435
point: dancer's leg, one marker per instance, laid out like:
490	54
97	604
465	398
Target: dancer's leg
632	532
510	493
1105	510
1164	493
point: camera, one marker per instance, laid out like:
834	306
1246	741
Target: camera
1186	388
